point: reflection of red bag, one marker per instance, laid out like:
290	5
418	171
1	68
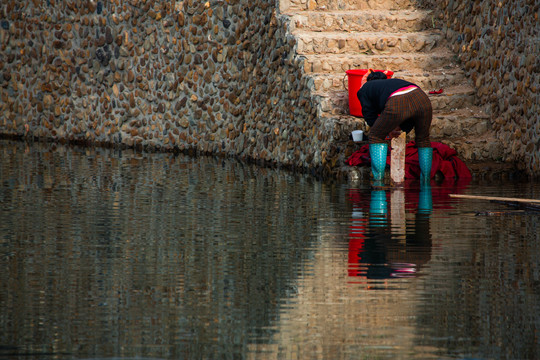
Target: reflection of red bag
445	160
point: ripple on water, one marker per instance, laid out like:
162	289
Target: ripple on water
109	254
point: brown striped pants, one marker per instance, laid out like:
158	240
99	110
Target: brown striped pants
414	107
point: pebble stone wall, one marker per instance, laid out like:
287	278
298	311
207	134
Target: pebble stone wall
498	43
222	77
217	76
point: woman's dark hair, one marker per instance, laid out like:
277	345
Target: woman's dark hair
376	75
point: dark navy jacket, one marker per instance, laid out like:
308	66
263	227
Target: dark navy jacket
373	96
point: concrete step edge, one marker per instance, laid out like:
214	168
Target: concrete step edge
439	58
358	5
450	102
368	43
365	34
463	123
449	92
362	20
439	52
451	71
395	12
471	112
441	79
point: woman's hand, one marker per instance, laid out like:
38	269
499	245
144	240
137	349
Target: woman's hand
394	133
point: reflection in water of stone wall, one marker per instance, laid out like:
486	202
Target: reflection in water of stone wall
487	295
107	253
122	252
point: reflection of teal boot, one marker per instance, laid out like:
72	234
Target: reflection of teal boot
378	208
425	201
378	203
425	158
377	152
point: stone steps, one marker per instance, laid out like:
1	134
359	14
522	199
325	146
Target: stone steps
336	102
447	124
461	123
326	5
368	43
334	36
477	148
328	82
438	59
394	21
459	129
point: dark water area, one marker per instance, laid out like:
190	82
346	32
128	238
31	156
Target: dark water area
109	254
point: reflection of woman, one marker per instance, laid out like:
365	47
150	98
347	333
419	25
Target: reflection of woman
401	105
376	253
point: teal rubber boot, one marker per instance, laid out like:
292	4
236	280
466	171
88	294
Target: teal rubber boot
425	158
377	152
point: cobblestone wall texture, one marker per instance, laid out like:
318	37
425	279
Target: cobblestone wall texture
498	43
213	76
222	77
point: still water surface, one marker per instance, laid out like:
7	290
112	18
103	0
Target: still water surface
119	254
